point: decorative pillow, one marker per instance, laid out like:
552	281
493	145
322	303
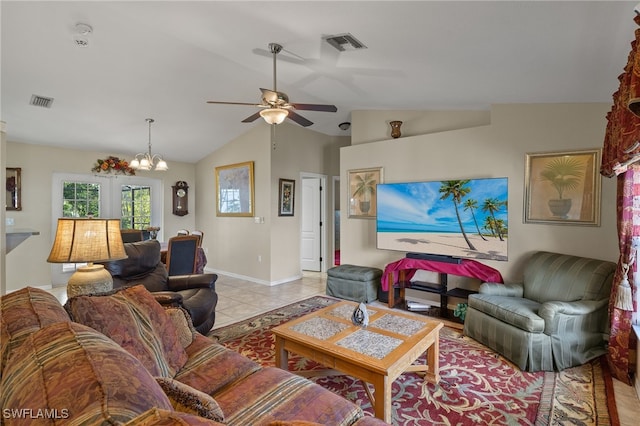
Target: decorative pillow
24	312
137	322
79	376
186	399
157	417
182	320
212	366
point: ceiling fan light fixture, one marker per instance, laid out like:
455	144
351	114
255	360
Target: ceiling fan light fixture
274	115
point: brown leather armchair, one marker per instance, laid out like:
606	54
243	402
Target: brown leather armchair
196	293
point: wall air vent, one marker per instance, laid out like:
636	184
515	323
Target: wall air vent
344	42
41	101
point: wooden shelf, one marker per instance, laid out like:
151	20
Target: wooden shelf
440	288
460	293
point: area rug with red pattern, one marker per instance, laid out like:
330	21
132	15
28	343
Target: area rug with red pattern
477	386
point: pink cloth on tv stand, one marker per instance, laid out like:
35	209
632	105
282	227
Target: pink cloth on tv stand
467	268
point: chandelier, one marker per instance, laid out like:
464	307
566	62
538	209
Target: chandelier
148	161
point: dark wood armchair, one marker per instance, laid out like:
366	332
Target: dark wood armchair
182	253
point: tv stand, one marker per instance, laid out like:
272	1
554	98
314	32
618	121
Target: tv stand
404	269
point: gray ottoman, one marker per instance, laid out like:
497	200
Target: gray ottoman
351	282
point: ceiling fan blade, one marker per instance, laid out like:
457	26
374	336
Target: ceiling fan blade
232	103
252	118
298	119
315	107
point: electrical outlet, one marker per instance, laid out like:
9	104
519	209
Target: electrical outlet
259	258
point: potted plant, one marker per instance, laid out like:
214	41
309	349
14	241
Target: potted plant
564	173
365	188
460	311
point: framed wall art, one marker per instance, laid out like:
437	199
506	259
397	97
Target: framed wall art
286	197
362	192
13	199
235	190
563	188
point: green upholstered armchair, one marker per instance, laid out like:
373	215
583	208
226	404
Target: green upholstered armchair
555	319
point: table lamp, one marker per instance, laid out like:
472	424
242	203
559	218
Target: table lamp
80	240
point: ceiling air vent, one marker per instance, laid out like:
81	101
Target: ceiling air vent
344	42
41	101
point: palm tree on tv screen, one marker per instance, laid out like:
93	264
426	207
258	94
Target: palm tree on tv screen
493	205
471	204
456	189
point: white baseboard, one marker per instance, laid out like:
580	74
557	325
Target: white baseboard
252	279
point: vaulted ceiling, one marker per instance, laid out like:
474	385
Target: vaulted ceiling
164	60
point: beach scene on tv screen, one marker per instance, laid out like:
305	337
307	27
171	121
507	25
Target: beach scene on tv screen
458	218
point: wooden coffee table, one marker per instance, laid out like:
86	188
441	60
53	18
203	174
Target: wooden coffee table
377	354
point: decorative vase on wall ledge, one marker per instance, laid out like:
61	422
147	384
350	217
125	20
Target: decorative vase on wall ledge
395	129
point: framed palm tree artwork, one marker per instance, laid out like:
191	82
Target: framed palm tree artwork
362	192
563	188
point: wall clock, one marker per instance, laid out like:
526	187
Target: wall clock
180	198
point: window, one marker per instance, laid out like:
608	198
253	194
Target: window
136	201
136	207
80	199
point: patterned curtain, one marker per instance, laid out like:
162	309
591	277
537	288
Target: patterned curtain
621	355
620	154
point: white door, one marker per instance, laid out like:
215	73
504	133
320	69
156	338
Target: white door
310	248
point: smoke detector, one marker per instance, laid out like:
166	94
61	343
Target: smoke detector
344	42
83	31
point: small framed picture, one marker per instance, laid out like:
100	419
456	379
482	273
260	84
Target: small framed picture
14	188
563	188
286	197
362	192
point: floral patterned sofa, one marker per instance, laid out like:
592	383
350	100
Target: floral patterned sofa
121	358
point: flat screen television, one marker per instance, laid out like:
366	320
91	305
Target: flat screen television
450	218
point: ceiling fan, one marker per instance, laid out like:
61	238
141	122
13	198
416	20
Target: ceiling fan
275	105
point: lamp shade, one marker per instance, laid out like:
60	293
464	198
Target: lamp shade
274	115
87	240
162	166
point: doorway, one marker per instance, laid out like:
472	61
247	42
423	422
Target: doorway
312	232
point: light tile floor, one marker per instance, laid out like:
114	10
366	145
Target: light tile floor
240	299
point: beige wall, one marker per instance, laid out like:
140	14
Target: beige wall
26	264
487	144
235	244
494	150
3	247
373	126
